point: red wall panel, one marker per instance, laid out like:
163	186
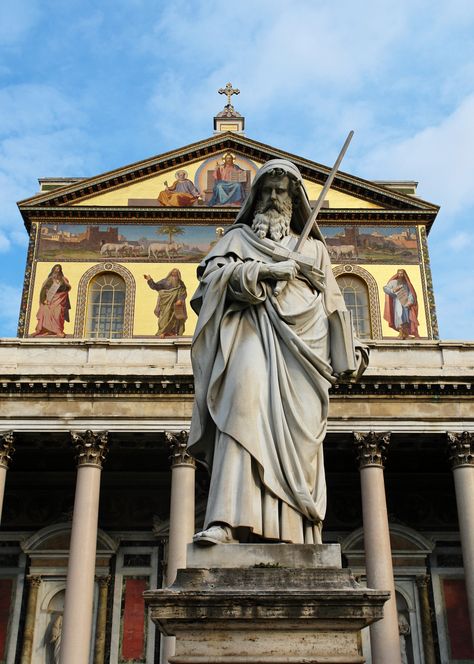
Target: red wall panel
6	590
133	625
457	616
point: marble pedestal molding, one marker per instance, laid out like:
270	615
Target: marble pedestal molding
266	613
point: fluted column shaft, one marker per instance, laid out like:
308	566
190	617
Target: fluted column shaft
34	583
384	636
461	455
182	506
99	652
6	453
91	449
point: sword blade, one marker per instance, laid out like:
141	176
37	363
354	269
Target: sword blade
319	203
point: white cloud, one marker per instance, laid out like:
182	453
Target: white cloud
35	107
455	304
460	241
4	242
440	157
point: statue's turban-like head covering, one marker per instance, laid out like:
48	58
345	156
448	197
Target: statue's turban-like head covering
301	205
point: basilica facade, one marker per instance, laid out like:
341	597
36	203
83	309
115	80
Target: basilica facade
96	395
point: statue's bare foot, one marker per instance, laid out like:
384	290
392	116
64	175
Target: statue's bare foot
215	535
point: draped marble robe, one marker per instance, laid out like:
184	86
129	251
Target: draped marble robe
262	369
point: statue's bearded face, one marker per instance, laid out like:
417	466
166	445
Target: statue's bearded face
274	208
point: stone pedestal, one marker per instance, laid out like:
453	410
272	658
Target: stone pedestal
265	604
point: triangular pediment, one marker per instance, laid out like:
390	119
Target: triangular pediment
150	183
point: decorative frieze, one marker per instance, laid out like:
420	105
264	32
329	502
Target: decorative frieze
6	448
371	448
461	448
178	443
91	447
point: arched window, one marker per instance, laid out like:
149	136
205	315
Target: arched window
356	297
106	306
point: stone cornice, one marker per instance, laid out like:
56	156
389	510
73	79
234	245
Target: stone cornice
105	384
205	215
418	369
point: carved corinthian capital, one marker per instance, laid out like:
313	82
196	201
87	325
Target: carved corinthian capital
91	447
371	448
6	448
461	449
178	442
34	581
422	581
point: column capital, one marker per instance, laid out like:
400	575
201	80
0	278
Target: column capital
91	447
6	448
460	448
33	580
422	581
103	580
178	444
371	448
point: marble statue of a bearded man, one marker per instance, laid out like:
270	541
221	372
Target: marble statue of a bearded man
263	366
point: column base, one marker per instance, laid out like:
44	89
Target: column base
267	612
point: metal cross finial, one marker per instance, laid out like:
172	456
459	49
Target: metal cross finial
229	91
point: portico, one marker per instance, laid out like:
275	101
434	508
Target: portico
154	400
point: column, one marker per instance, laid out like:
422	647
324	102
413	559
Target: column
101	627
422	582
91	449
181	530
461	456
371	449
6	453
34	583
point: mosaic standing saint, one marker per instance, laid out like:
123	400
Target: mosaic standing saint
54	304
401	305
170	305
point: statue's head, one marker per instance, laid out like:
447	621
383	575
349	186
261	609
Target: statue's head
277	202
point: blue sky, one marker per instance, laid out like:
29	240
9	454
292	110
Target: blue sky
90	86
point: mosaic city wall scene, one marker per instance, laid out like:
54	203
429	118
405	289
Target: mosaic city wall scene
190	243
157	275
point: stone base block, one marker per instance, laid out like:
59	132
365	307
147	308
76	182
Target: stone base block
266	613
295	556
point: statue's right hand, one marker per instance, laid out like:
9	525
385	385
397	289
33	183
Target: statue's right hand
284	271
